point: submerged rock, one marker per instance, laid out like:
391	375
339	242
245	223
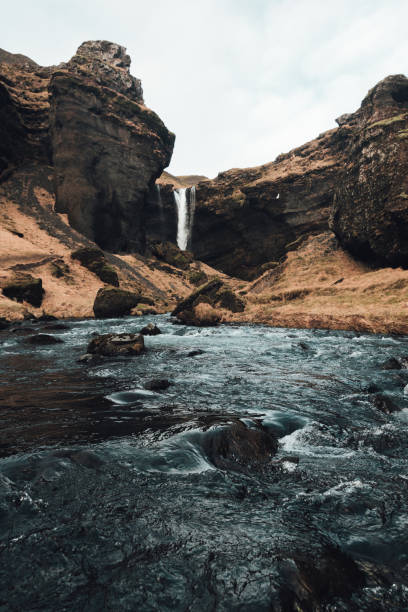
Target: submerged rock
42	339
25	288
112	302
150	329
385	404
116	344
157	384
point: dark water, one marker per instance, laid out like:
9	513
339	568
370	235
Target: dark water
111	500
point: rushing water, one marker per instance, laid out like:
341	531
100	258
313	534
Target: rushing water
110	498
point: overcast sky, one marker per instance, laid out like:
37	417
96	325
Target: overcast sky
238	81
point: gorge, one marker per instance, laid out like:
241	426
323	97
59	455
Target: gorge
203	381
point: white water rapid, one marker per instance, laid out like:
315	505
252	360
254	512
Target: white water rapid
185	201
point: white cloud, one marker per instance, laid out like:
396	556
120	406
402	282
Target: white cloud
238	81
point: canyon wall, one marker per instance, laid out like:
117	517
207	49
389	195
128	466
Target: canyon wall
87	122
352	178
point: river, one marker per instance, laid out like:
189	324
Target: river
116	497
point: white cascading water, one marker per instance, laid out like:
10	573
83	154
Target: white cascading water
185	202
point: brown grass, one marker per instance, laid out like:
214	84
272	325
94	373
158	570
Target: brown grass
320	285
207	314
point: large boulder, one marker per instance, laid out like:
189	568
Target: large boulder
112	302
239	447
25	288
116	344
94	260
370	211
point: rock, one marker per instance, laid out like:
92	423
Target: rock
116	344
84	122
171	254
370	388
25	288
46	317
42	339
239	447
195	353
384	404
112	302
88	358
200	307
4	324
94	260
99	122
57	327
370	210
391	364
312	578
150	329
157	384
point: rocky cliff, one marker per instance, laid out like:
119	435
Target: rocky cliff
86	121
246	220
370	211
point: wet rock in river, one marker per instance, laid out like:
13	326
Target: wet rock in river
195	353
239	447
42	339
314	578
4	324
150	329
392	364
157	384
116	344
384	404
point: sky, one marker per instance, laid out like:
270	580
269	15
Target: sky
237	81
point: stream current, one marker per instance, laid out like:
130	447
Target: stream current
111	500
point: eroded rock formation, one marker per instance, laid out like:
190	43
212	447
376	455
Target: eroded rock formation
370	212
87	120
248	219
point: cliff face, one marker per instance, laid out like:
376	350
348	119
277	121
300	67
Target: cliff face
370	211
355	174
246	218
87	120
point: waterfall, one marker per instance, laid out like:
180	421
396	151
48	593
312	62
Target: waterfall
185	201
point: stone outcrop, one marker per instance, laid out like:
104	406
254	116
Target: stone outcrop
370	211
109	345
94	260
112	302
247	218
25	288
88	121
200	308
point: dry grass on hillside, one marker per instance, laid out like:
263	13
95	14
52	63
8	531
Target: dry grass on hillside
319	285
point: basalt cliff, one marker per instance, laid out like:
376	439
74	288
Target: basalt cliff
313	238
351	179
